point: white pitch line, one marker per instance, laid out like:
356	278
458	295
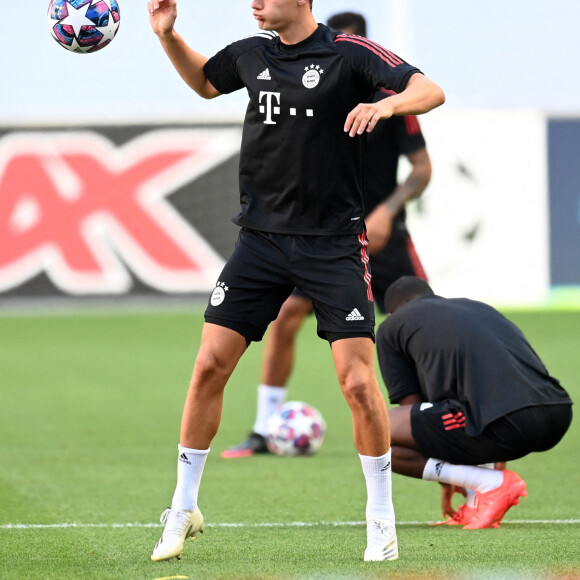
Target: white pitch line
257	525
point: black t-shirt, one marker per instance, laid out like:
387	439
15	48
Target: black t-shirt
300	173
455	348
391	138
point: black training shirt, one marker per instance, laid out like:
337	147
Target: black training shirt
461	349
300	173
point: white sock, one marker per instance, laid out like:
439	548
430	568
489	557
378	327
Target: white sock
377	472
190	466
470	497
480	479
269	399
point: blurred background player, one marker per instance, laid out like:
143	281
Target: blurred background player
391	248
471	390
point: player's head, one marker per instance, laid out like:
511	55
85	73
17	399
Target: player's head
349	23
280	15
405	289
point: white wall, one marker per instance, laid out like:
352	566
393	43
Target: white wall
481	228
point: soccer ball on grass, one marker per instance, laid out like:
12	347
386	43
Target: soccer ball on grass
83	25
296	429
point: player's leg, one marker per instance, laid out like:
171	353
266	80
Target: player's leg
334	272
252	287
219	353
277	365
354	361
279	348
429	442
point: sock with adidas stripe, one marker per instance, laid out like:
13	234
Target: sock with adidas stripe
377	472
480	479
190	466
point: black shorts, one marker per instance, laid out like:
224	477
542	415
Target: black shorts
398	258
439	431
264	268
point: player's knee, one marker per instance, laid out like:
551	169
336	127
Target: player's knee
210	364
358	392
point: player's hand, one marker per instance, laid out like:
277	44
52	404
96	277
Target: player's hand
447	493
162	16
365	116
379	225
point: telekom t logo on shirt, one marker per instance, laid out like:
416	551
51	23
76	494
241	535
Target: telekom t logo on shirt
270	105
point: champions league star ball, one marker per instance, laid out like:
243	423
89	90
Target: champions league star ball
83	25
295	429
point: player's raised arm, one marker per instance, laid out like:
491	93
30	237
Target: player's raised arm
421	95
188	63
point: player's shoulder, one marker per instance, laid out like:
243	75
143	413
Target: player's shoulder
263	38
357	47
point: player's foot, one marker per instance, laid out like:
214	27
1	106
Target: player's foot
491	506
381	541
178	527
255	443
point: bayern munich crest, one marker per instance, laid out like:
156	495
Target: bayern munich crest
311	77
219	294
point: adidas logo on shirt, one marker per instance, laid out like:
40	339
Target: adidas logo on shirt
355	315
264	75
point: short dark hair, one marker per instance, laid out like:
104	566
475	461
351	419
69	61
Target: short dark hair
352	20
405	289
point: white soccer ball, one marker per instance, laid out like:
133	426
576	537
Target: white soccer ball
83	25
296	429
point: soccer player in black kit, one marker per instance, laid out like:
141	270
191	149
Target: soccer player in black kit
391	249
471	391
310	102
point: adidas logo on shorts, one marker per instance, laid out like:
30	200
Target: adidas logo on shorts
355	315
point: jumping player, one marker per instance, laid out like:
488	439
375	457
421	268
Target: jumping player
471	391
310	103
391	250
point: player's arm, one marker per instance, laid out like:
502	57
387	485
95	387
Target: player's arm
448	490
379	222
399	374
421	95
188	63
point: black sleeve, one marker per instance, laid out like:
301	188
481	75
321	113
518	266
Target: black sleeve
397	369
221	69
377	65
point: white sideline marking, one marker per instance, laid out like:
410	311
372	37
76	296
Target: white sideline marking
256	525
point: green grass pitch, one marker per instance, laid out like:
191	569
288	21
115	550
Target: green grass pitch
90	406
